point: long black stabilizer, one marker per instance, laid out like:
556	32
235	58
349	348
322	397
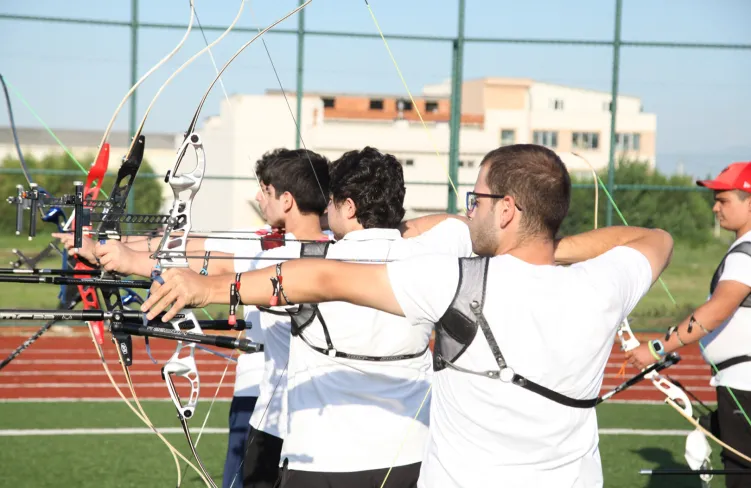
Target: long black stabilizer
61	280
669	360
226	342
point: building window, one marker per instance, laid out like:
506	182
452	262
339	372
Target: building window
328	103
431	106
585	140
628	142
607	106
376	104
407	162
404	105
508	137
557	104
547	138
466	163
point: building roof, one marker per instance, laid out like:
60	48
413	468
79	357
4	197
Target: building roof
359	95
31	136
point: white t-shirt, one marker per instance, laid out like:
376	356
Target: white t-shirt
270	412
348	415
733	337
555	326
249	370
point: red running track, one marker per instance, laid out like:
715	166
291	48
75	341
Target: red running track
62	367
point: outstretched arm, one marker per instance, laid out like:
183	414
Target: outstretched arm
303	281
117	257
723	303
655	244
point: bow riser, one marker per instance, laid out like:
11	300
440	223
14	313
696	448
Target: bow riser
174	241
677	395
184	188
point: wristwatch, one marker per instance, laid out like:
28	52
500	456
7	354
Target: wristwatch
656	346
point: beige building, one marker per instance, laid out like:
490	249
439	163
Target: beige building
495	111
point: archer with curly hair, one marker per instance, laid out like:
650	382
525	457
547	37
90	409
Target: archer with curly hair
367	191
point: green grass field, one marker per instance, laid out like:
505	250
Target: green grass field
687	278
137	460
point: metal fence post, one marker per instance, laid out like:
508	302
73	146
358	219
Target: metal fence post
133	79
455	121
614	107
300	61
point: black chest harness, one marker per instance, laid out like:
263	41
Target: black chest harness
305	314
745	248
456	330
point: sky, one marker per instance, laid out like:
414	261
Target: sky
74	75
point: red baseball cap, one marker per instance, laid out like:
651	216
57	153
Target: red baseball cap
737	176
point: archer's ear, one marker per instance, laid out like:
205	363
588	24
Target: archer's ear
288	201
351	208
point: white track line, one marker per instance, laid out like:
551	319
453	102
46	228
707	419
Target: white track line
648	432
97	400
218	430
117	431
96	372
96	385
98	361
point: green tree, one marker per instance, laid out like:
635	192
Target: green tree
687	215
147	192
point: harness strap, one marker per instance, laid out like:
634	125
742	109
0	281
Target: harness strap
331	352
507	374
504	373
732	362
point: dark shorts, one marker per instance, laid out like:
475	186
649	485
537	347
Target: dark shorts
729	424
261	466
239	423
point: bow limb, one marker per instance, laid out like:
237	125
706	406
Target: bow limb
138	410
146	75
706	432
185	65
12	121
194	120
184	365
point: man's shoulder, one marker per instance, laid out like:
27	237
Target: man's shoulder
618	257
289	249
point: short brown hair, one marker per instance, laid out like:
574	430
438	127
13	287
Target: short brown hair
539	181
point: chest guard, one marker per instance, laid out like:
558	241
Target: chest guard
458	326
305	313
743	247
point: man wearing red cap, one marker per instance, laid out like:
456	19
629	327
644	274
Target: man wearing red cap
723	323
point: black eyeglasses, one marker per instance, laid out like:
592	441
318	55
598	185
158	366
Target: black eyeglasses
472	197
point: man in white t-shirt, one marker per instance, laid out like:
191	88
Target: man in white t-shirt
521	344
723	323
292	196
